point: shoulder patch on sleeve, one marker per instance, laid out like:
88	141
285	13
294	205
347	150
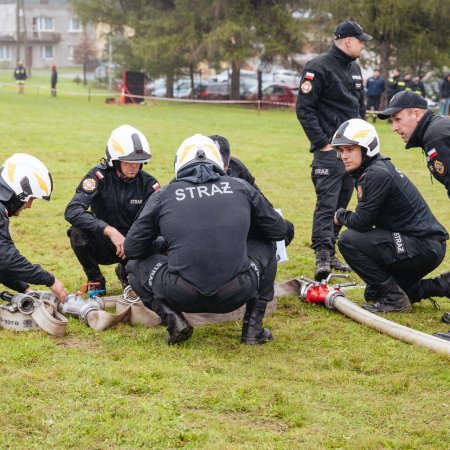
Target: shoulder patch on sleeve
156	186
306	87
89	184
99	175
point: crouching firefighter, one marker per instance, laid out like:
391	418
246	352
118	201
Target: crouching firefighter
393	239
22	179
106	202
211	266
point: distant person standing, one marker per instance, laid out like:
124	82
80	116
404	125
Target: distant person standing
54	80
375	88
444	96
419	87
392	84
20	74
331	92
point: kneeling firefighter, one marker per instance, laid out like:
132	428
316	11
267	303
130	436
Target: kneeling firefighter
106	202
211	266
22	179
393	239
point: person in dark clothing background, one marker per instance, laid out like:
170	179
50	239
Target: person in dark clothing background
418	87
106	203
392	84
444	96
331	92
22	179
53	80
393	240
20	74
374	91
236	168
205	216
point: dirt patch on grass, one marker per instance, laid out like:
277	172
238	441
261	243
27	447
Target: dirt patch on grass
76	342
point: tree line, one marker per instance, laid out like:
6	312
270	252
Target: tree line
170	36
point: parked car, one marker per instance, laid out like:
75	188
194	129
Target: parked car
216	91
280	93
184	89
286	76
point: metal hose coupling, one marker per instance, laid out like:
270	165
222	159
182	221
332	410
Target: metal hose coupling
19	302
76	306
130	295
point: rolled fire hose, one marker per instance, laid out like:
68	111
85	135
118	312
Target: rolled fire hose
25	313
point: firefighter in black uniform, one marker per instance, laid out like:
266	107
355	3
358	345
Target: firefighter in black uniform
237	169
211	266
114	191
331	92
22	179
419	127
393	239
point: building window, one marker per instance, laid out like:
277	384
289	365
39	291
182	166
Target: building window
47	52
46	24
70	50
5	53
75	25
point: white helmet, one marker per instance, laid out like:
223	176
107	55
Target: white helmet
197	148
127	144
359	132
27	177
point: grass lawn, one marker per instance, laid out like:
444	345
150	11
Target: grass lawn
324	382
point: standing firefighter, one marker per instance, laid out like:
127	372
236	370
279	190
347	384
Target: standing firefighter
20	74
22	179
107	201
205	216
393	239
331	92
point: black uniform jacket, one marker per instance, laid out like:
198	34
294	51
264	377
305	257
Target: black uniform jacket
432	134
15	270
111	200
205	217
331	92
387	199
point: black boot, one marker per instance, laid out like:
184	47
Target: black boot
177	326
435	287
122	275
253	331
372	293
100	289
393	299
336	264
323	266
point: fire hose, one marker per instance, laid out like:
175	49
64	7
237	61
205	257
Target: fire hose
333	297
26	312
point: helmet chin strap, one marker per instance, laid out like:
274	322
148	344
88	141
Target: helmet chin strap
14	204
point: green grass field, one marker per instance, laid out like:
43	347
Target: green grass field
324	382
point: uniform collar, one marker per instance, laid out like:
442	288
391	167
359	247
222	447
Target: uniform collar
340	55
416	139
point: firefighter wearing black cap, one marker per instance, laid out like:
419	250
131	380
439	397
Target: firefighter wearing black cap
331	92
419	127
205	217
106	203
392	86
393	239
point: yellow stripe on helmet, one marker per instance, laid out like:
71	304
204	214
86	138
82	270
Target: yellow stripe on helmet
41	182
117	147
361	134
11	169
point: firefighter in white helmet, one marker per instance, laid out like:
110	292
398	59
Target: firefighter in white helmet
106	202
393	239
205	217
22	179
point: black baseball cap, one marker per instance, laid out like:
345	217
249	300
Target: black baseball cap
402	100
351	29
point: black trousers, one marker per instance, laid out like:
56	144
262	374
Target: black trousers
378	254
373	102
334	188
150	278
92	249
